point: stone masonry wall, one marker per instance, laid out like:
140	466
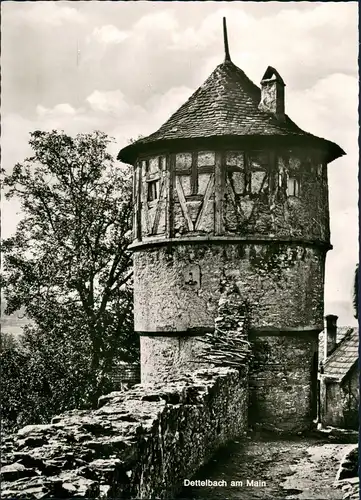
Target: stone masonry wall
340	401
165	356
282	283
283	382
138	444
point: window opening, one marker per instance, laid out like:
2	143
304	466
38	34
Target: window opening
161	162
152	190
293	188
247	182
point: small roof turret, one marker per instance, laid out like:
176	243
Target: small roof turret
273	94
272	74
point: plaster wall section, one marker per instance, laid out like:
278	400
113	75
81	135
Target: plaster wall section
163	358
282	283
281	193
273	97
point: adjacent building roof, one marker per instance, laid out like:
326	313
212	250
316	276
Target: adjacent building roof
226	105
344	357
340	335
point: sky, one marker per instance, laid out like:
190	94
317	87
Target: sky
125	67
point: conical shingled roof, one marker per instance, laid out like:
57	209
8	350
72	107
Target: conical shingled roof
225	105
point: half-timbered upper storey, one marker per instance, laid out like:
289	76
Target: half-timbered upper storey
230	162
231	193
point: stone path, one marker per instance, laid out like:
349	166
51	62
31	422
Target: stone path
272	467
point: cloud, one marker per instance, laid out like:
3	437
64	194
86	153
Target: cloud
58	110
161	106
108	111
157	21
109	34
330	96
111	101
292	40
45	13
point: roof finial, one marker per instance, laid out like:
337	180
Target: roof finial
226	48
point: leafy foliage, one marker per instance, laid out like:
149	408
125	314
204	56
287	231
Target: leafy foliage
68	266
138	138
7	342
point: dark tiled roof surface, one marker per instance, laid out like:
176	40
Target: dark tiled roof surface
225	105
340	362
341	333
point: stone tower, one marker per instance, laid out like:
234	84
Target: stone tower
231	188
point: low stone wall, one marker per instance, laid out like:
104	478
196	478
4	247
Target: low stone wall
138	444
348	475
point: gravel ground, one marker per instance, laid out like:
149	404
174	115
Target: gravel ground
268	466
